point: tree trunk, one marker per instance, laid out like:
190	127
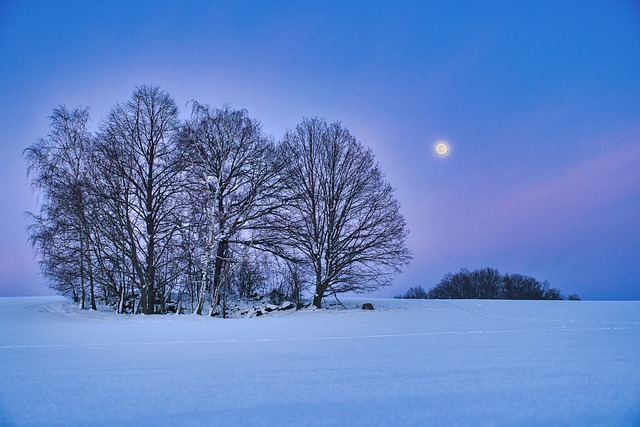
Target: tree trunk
82	287
123	296
202	292
221	255
202	289
148	292
319	294
149	297
92	293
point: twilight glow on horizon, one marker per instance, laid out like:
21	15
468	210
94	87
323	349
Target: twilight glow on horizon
536	104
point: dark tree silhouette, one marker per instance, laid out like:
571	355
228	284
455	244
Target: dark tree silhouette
487	283
517	286
150	209
141	182
414	293
61	232
341	219
234	183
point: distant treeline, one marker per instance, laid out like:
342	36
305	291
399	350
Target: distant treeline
487	283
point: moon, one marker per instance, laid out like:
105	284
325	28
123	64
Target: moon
441	148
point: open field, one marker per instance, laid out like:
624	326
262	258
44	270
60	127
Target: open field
409	362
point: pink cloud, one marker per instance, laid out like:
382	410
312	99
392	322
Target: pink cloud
566	202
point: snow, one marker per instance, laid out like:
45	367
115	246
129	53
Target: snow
408	362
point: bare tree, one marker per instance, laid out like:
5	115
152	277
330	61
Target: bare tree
62	231
234	180
342	218
518	286
141	182
458	285
487	283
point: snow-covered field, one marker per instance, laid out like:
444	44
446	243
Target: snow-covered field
409	362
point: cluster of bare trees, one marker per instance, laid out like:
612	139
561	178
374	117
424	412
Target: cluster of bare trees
151	213
487	283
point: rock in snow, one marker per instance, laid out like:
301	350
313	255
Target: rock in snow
287	305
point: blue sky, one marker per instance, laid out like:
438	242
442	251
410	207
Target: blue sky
539	100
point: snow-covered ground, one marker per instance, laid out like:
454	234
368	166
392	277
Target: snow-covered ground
409	362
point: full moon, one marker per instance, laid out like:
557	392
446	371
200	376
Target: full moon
442	148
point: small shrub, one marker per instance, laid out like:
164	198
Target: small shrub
414	293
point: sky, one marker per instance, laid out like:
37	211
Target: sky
538	100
